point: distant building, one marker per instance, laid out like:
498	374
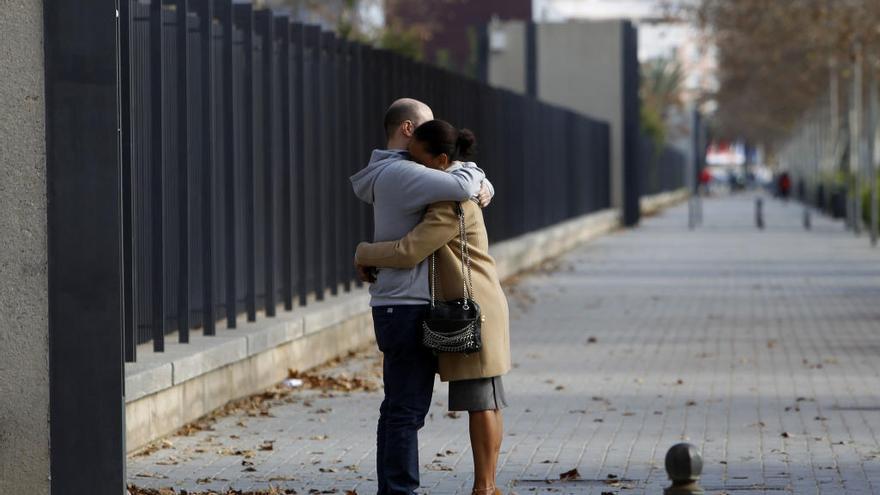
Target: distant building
665	30
455	26
590	67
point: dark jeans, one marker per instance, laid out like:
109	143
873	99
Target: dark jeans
409	372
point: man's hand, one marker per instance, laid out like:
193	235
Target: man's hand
366	273
484	197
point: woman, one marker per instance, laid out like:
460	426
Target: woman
474	380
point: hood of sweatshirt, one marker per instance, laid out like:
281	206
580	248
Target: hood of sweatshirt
363	181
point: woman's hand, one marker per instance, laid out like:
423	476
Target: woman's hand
484	197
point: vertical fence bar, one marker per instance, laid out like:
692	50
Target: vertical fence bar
328	167
157	179
183	170
206	23
311	163
297	35
632	163
129	321
229	161
86	416
283	28
266	27
343	198
245	21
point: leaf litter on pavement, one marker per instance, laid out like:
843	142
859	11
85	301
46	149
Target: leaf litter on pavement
359	371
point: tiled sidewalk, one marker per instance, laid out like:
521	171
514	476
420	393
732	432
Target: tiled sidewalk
760	347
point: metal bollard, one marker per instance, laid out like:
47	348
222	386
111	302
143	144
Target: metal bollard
684	464
807	223
759	213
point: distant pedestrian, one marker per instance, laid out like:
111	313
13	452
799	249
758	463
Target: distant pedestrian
705	181
784	185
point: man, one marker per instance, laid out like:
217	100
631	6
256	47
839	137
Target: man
400	190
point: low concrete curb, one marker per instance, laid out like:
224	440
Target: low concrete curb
657	202
164	391
526	251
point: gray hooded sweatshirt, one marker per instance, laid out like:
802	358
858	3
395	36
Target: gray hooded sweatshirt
400	190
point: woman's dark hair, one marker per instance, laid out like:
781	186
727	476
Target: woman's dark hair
440	137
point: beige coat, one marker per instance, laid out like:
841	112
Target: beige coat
439	231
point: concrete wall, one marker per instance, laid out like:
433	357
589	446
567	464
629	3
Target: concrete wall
24	363
507	55
579	66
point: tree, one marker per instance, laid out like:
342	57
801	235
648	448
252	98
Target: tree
775	58
660	92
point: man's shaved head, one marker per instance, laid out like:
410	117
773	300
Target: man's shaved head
406	109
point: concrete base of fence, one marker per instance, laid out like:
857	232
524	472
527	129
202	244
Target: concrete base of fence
526	251
654	203
164	391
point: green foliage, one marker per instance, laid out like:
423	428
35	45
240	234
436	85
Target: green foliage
443	58
866	201
405	41
660	91
653	126
473	52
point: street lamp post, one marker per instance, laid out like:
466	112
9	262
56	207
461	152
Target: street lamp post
872	147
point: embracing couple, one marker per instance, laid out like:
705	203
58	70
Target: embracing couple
424	195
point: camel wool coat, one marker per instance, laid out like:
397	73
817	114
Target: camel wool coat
439	232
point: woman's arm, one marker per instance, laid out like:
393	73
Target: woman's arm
437	228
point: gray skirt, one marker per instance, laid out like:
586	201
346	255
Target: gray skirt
481	394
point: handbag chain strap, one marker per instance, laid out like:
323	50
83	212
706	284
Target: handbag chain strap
467	282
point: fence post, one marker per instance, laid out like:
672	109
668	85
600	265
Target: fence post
297	35
206	23
283	28
129	269
632	163
183	169
312	160
327	167
872	151
346	229
266	28
157	179
244	19
226	19
86	419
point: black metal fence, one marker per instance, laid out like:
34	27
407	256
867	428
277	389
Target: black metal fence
662	170
240	130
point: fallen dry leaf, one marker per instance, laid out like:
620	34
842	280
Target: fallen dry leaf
570	475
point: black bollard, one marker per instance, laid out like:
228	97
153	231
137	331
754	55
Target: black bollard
807	224
759	213
684	464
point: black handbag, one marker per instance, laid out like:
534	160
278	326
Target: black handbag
454	326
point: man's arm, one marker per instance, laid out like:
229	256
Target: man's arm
437	228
